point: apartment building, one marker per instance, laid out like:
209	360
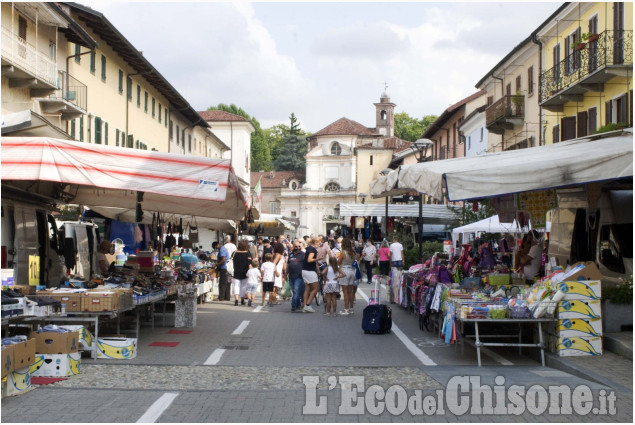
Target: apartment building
587	80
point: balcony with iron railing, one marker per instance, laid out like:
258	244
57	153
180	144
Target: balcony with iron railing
70	98
586	69
24	64
506	112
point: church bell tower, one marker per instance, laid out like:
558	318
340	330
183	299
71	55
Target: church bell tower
385	115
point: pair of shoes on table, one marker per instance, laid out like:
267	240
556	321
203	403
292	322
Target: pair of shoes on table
308	309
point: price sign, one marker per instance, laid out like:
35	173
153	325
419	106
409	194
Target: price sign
34	270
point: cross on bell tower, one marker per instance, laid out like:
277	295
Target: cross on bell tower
385	114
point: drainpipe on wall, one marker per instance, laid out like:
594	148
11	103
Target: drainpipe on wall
534	39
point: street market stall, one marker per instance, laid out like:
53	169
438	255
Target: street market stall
585	175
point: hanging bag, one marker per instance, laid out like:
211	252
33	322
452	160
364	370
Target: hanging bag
358	272
193	236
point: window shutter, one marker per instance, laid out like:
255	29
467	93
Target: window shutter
120	81
97	130
623	111
556	134
105	133
77	52
81	128
593	120
92	61
103	68
118	132
608	117
73	129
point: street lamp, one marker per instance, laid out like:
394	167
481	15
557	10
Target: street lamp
420	147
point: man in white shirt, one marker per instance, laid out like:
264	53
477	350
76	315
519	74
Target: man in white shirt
369	254
396	253
231	248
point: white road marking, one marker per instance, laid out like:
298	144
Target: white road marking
423	357
241	327
257	309
158	407
214	358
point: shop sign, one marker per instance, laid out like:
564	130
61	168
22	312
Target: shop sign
336	218
34	270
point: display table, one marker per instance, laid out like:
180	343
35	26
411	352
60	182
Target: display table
519	344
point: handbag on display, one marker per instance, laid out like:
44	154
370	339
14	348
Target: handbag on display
193	231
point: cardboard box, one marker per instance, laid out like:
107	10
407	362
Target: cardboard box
85	336
8	363
583	290
579	346
580	309
60	365
24	353
100	301
579	327
7	277
116	348
56	343
589	272
19	381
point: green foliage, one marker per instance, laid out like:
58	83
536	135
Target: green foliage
69	212
288	154
611	127
428	248
411	129
465	215
622	293
233	109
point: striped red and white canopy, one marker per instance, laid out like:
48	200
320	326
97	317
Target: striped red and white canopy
110	176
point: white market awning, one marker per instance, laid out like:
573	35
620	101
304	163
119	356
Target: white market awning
597	158
432	214
108	176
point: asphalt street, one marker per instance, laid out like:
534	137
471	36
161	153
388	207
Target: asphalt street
267	364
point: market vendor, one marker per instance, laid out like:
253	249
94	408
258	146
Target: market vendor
529	262
102	262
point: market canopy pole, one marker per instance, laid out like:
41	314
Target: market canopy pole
107	176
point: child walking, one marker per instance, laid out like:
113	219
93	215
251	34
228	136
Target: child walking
253	278
267	274
331	288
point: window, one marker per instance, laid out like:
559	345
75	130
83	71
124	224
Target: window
530	81
482	131
371	160
118	132
568	128
583	122
332	187
189	143
159	112
572	62
508	89
336	149
52	51
73	129
145	102
556	134
153	102
171	130
490	100
183	139
92	62
469	142
138	96
383	115
295	214
120	81
81	128
129	88
178	133
593	45
518	83
97	130
593	120
78	50
273	206
105	133
103	68
123	139
294	185
165	120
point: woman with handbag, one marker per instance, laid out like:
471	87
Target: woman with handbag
309	274
241	262
347	257
280	271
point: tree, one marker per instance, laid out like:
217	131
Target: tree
289	155
466	214
411	129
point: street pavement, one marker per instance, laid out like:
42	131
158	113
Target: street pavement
267	364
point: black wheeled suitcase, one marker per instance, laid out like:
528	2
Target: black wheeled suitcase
377	318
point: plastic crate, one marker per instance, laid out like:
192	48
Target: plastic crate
498	279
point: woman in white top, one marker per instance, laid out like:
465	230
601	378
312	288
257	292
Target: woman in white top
280	263
331	288
530	262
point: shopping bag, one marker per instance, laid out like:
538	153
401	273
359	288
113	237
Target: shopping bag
285	292
358	272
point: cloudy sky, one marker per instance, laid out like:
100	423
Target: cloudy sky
324	60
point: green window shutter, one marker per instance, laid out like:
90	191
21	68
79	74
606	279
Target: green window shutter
73	129
117	133
103	68
145	102
77	52
160	112
105	133
153	101
92	62
137	144
138	96
165	121
81	128
97	130
120	81
123	139
129	88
